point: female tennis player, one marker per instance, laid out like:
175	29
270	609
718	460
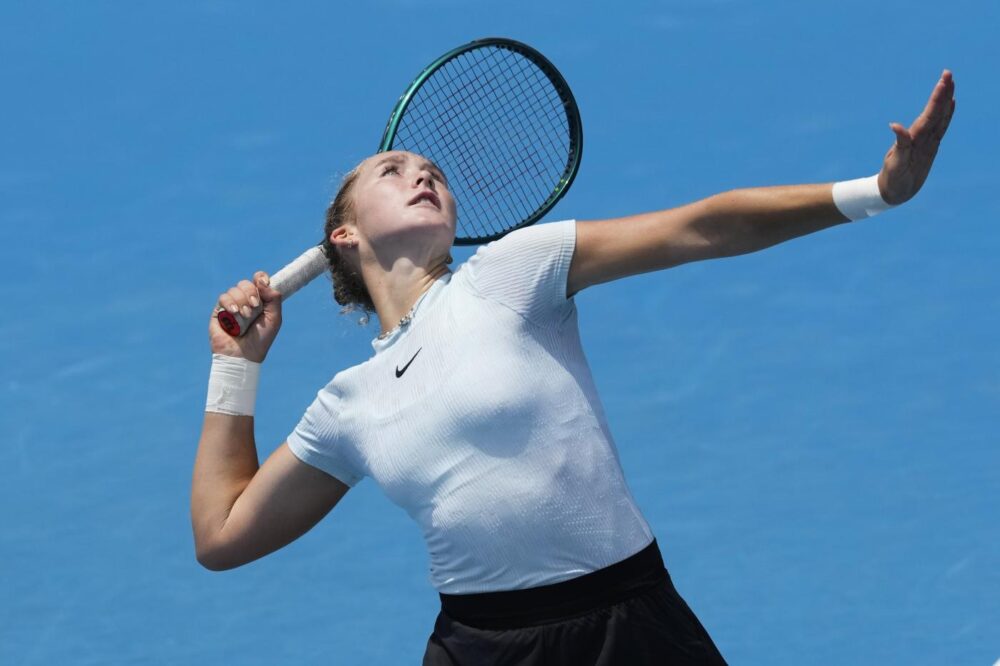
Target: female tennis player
477	412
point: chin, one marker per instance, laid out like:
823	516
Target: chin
433	219
418	229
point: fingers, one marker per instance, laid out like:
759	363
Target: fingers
903	138
936	116
942	92
944	104
263	282
947	117
245	296
226	302
940	97
242	298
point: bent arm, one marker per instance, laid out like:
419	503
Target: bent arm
724	225
241	511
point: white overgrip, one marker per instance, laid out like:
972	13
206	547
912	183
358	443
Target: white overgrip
300	272
309	265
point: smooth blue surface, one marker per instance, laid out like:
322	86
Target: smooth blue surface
811	430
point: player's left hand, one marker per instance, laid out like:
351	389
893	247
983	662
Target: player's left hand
909	161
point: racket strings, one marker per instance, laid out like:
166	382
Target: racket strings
511	98
461	125
494	121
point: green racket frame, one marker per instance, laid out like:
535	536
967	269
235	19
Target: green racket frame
569	105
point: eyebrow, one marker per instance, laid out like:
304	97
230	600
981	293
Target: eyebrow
425	163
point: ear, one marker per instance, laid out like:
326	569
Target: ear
343	237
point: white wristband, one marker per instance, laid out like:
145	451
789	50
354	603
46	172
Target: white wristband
860	198
232	385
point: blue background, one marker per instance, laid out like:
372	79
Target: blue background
811	430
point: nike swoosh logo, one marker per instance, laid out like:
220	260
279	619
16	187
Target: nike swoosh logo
399	373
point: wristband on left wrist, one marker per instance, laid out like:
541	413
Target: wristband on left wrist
859	198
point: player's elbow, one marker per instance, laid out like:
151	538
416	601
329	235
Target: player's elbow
214	556
210	558
211	561
215	560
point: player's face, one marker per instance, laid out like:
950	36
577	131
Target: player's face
400	194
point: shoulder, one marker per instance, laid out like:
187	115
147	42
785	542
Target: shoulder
526	269
547	234
527	245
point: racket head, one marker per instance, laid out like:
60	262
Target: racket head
502	123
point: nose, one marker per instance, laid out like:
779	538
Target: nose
425	177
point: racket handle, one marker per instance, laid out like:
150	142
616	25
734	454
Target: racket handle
287	281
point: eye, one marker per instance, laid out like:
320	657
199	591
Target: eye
438	177
390	167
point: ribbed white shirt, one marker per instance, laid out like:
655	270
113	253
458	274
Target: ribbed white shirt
480	418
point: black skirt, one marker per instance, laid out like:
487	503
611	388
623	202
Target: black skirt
626	614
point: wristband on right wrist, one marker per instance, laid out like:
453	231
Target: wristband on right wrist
232	385
859	198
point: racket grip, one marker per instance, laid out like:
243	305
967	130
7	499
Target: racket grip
309	265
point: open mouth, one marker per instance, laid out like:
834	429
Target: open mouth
426	195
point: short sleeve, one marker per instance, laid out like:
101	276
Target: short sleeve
317	441
527	270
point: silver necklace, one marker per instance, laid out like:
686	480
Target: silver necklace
407	317
402	322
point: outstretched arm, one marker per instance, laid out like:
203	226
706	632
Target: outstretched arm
747	220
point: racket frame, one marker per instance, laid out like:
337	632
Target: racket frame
565	94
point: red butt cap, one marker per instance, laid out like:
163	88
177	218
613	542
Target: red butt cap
229	323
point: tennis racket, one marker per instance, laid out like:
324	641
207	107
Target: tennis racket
502	123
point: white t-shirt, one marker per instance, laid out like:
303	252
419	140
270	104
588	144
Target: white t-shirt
480	418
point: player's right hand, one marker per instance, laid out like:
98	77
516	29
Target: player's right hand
254	344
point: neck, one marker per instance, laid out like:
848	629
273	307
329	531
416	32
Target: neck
395	294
